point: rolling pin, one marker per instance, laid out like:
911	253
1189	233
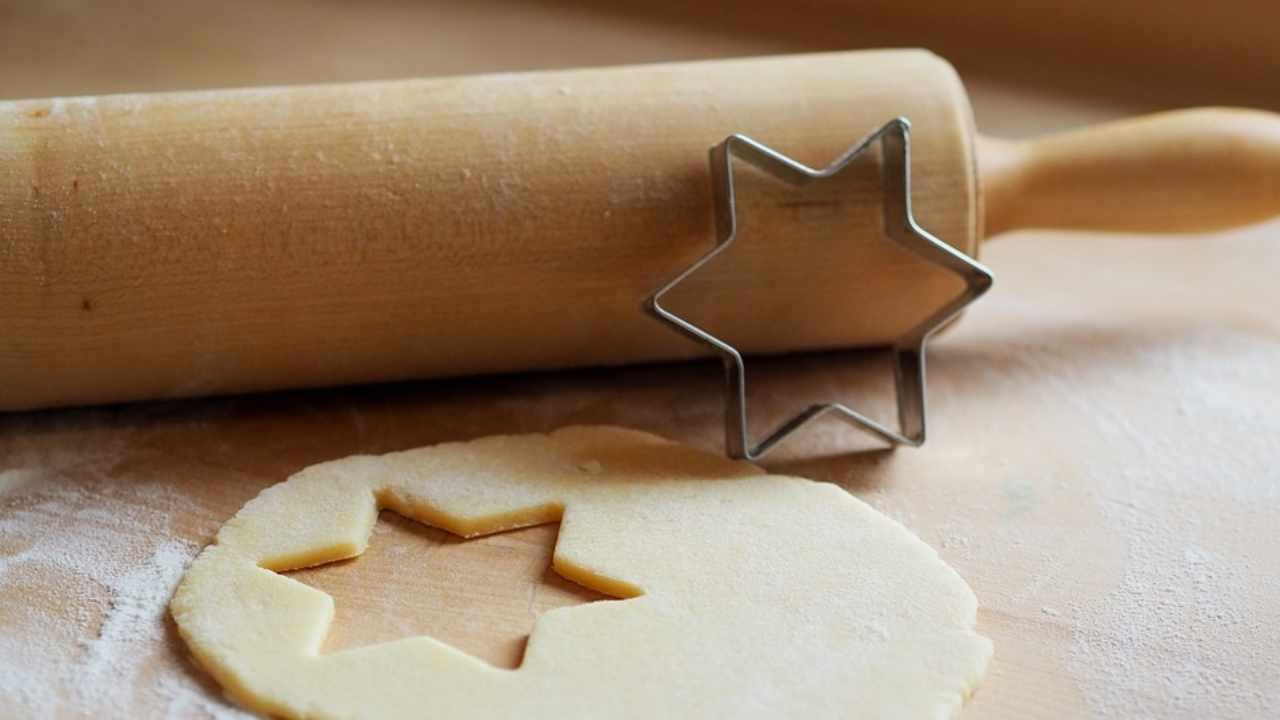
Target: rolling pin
180	244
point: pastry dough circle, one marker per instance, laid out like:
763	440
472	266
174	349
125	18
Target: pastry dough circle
750	595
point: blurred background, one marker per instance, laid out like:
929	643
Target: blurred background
1031	66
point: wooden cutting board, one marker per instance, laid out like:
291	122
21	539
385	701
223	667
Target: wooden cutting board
1102	467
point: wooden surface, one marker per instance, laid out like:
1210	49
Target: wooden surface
1102	466
472	590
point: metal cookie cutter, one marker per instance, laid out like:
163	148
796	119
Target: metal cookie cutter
901	227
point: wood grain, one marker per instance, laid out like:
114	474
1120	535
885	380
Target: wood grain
418	580
203	243
173	245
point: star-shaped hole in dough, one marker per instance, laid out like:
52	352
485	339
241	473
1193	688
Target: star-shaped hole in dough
900	227
481	595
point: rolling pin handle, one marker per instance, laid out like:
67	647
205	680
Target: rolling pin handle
1185	171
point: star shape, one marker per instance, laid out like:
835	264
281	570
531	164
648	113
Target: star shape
901	227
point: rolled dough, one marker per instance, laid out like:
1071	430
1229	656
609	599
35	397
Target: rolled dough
745	594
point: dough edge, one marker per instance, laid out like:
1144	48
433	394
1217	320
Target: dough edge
347	537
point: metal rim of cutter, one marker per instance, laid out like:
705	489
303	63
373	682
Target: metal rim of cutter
900	226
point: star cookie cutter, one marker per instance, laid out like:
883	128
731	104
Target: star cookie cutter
901	227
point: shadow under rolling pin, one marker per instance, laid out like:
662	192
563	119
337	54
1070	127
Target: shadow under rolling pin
197	243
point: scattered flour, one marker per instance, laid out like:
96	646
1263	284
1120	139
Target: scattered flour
1176	633
183	702
96	570
1189	630
1130	550
134	620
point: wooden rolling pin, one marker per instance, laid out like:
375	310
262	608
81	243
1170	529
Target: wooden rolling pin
226	241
